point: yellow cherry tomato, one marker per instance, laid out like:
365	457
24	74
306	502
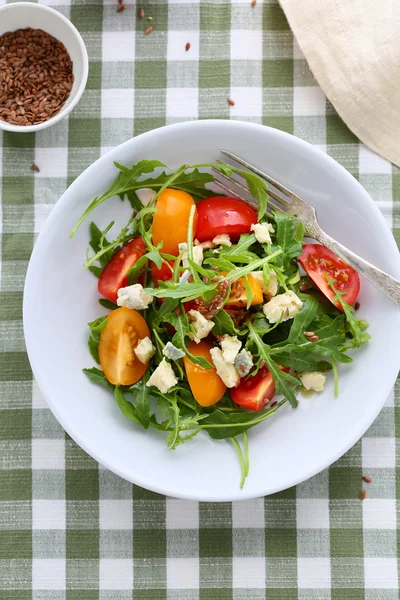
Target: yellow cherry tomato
118	340
207	387
238	298
171	219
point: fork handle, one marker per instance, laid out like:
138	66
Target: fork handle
384	282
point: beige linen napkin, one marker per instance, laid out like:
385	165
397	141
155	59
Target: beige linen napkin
353	49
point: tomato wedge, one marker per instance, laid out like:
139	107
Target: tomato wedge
255	392
118	340
222	214
171	219
320	263
115	273
207	387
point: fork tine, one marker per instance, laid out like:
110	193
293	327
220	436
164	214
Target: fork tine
263	175
271	193
233	192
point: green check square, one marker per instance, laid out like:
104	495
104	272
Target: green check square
143	125
15	484
95	76
337	131
17	246
151	74
215	542
15	595
14	366
277	73
82	484
82	543
281	542
159	14
16	424
282	594
149	594
10	306
215	594
15	544
149	543
274	18
139	493
84	133
352	594
346	543
214	74
18	140
344	482
80	594
215	17
88	17
288	494
283	123
18	191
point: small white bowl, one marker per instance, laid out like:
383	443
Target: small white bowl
26	14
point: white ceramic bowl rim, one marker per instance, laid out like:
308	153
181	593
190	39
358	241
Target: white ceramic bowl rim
317	464
66	109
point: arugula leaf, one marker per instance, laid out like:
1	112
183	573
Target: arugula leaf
107	304
237	273
98	241
258	189
142	401
134	271
286	240
169	289
96	328
193	183
183	329
98	377
97	271
223	324
127	408
245	241
124	182
353	324
302	320
301	363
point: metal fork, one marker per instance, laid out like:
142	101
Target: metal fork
283	200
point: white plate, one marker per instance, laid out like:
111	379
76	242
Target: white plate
61	297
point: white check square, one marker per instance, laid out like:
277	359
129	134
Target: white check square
378	453
369	162
248	514
116	514
48	514
177	41
246	44
312	513
379	513
48	574
182	102
248	572
116	574
308	101
248	101
380	573
118	46
183	573
117	103
182	514
52	162
314	573
48	454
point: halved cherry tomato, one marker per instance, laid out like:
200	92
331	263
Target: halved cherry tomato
162	274
118	340
222	214
238	298
207	387
171	219
255	392
320	263
115	273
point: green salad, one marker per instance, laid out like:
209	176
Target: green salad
218	313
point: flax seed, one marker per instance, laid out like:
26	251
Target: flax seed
367	479
121	8
363	495
141	13
231	102
148	30
187	46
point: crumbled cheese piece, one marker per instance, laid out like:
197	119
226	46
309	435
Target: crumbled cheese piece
172	352
270	289
163	377
287	305
205	245
145	350
134	296
200	324
262	232
244	362
184	277
222	240
230	347
145	195
313	381
225	370
197	254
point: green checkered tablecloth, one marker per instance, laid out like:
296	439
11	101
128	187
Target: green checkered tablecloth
71	530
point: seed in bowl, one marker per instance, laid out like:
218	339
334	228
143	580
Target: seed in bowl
35	76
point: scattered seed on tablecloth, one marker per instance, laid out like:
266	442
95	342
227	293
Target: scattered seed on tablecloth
148	30
121	8
367	479
253	3
141	13
187	46
34	167
363	495
231	102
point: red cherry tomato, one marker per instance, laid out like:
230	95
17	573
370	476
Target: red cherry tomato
115	273
221	214
162	274
320	263
255	392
